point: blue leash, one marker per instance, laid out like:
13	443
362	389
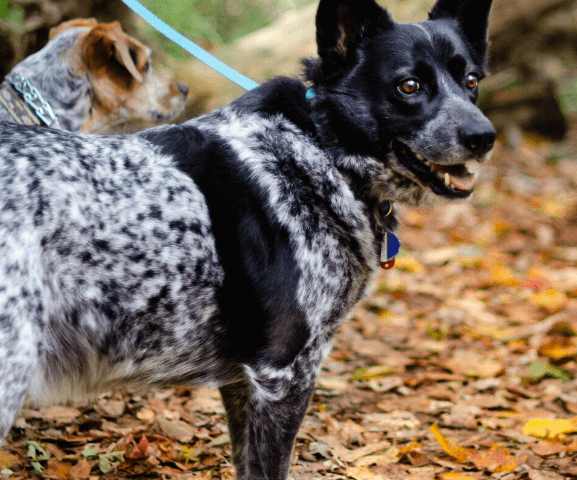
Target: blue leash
190	47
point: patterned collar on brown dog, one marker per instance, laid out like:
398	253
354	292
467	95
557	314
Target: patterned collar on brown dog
25	103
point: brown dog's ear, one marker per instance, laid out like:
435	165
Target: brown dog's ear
107	40
342	25
77	22
472	16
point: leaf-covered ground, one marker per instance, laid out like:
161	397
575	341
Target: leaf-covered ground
462	365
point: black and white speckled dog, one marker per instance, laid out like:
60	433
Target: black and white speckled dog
226	251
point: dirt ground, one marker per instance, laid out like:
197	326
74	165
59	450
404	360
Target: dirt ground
462	365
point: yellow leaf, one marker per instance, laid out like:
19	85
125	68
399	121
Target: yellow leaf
553	209
409	263
558	348
501	227
550	428
6	460
456	476
551	300
502	275
449	445
376	371
410	447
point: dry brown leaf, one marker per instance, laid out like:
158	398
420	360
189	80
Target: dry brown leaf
81	470
59	413
176	429
472	364
362	473
349	456
496	460
548	447
381	460
57	469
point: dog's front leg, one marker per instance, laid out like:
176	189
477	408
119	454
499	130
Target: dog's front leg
264	414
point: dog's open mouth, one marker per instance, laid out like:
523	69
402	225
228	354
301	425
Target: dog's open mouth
453	181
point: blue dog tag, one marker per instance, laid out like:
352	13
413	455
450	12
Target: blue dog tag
389	249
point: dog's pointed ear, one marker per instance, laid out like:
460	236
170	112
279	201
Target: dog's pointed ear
343	24
472	16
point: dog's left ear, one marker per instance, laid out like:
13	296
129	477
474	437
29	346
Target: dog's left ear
473	16
343	24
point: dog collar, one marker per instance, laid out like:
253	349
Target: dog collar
310	94
390	244
25	103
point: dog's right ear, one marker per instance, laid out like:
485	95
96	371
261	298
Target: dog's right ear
343	24
472	16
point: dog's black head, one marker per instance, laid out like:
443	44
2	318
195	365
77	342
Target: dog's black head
404	94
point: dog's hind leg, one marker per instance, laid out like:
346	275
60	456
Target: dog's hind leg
264	415
19	351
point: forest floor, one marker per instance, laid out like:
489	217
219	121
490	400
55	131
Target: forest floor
462	365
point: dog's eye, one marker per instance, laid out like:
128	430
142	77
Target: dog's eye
471	81
409	87
145	67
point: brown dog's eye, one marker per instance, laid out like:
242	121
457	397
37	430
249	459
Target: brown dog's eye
471	81
408	87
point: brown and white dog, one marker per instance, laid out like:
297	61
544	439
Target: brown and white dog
96	79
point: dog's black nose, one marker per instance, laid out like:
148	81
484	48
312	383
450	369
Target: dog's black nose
183	88
478	137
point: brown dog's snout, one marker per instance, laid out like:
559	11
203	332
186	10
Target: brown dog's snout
183	88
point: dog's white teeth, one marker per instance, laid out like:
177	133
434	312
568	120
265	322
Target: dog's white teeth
447	179
473	168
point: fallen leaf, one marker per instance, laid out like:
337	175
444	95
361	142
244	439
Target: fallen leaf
409	263
537	370
176	429
390	457
473	365
376	371
456	476
558	348
60	414
449	445
362	473
502	275
58	469
549	427
550	300
548	447
146	415
496	460
81	470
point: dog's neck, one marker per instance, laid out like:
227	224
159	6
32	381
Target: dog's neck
361	175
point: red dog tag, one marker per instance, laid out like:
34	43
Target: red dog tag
389	264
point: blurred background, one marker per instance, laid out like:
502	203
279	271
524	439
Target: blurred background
533	86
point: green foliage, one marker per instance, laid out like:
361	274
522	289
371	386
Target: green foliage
12	15
568	95
536	371
214	22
